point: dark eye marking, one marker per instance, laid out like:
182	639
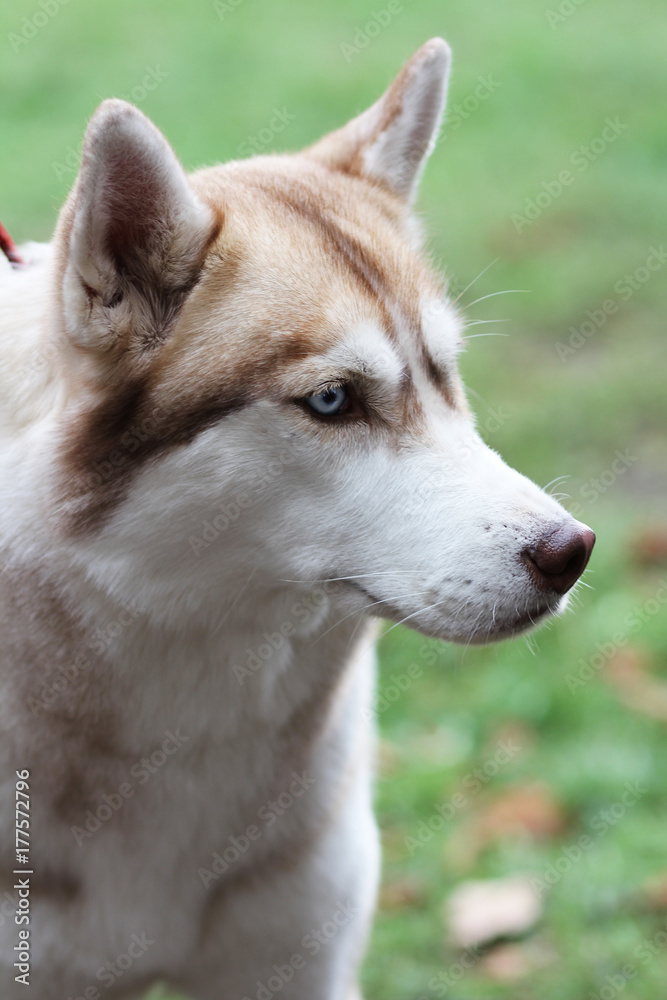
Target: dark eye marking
438	376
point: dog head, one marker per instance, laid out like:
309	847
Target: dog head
261	382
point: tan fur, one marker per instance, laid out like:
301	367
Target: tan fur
351	238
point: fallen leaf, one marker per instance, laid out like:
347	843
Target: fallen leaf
515	732
482	911
627	671
521	811
650	547
628	665
387	757
530	809
461	850
509	962
403	894
653	894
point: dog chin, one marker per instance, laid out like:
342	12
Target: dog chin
510	627
520	625
496	629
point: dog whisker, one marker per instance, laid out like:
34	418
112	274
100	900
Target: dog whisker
354	632
482	272
555	482
236	600
491	295
473	629
358	576
364	610
531	644
484	322
420	611
473	335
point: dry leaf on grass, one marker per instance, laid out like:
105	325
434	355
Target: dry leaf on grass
403	894
387	757
513	731
653	894
529	810
627	671
480	912
508	962
650	547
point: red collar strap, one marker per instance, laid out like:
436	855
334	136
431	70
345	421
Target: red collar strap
8	248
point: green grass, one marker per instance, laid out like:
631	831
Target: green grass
553	89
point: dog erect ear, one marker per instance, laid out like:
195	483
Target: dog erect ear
137	233
391	141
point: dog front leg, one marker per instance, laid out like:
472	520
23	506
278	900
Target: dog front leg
298	932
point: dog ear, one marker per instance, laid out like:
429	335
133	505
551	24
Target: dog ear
136	233
391	141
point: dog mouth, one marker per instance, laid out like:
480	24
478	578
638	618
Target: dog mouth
498	628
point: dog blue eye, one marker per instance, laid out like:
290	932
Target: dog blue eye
330	402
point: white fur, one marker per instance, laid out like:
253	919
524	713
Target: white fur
442	330
399	153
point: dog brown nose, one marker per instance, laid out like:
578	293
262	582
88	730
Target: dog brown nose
557	561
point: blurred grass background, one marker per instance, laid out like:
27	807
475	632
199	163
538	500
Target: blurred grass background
534	82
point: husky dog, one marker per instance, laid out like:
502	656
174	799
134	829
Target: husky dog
232	431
